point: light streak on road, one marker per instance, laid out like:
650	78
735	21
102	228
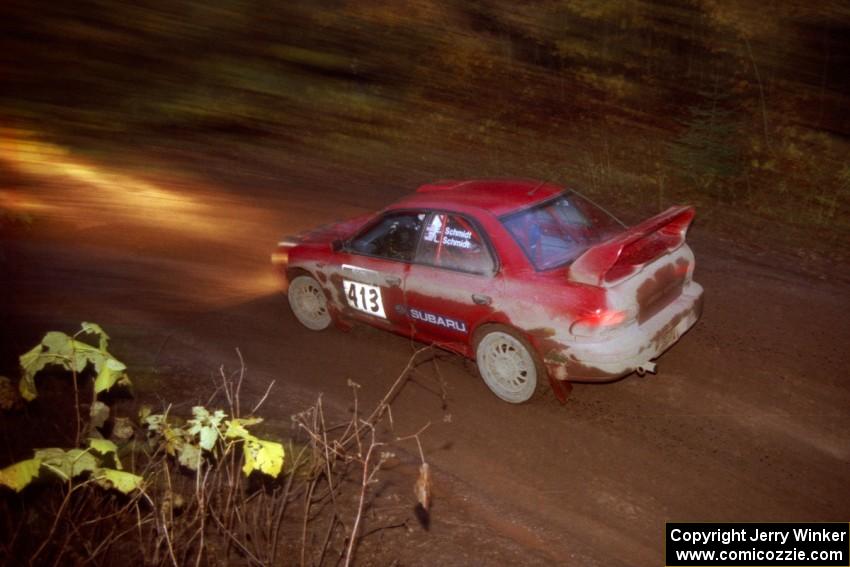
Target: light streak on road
202	243
87	194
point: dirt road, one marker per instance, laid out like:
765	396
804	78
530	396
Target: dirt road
746	420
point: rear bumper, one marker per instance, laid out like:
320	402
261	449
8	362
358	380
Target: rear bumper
632	347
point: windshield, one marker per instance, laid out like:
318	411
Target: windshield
557	231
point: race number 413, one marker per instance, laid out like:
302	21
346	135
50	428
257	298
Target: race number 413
364	297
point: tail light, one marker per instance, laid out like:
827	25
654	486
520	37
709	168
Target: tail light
600	321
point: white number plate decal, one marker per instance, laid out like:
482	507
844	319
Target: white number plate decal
364	297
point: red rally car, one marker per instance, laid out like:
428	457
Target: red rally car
528	279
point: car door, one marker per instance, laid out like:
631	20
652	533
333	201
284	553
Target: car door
451	285
374	265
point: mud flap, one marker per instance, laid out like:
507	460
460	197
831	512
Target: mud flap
561	389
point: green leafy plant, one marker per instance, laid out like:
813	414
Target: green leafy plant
71	464
214	435
60	349
206	434
73	355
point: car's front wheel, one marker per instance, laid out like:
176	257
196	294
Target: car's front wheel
308	303
508	364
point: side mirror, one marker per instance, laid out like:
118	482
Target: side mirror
337	245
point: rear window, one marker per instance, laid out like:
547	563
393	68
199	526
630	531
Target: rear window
557	231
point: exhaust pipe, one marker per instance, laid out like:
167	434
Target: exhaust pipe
647	366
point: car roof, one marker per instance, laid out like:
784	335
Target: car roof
496	196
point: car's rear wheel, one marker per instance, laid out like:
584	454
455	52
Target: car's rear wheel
308	303
508	364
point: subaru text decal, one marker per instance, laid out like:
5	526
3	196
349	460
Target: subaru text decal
439	320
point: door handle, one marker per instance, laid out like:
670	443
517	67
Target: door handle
481	299
393	280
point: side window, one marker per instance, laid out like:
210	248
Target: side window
394	236
452	242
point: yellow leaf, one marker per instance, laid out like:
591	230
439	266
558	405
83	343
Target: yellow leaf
173	440
119	480
95	329
27	389
31	362
18	475
105	447
80	461
236	427
109	373
262	455
189	456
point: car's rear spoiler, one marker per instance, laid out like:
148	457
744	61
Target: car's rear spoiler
636	246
